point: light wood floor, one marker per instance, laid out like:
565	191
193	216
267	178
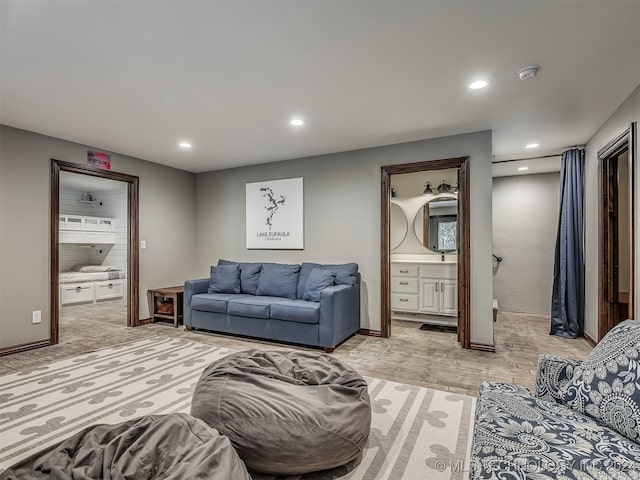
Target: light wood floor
410	355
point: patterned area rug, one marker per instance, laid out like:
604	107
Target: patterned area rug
416	433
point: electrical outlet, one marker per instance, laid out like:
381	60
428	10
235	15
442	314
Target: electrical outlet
36	316
143	244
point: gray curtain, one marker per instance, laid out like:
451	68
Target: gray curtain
567	301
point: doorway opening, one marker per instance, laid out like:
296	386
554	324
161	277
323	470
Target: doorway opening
94	238
616	278
433	288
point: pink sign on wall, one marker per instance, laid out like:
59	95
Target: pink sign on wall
99	160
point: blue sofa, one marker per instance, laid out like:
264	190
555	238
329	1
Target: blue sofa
262	309
583	422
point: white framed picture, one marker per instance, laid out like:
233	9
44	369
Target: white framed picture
275	214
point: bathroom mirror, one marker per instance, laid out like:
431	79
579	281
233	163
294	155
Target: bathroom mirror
436	224
399	226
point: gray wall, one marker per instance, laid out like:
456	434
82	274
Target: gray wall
525	223
167	223
342	215
626	113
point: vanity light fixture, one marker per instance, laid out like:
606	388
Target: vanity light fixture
444	187
427	189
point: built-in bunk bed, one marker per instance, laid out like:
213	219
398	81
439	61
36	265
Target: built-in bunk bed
89	283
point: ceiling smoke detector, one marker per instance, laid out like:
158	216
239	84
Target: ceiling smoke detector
528	72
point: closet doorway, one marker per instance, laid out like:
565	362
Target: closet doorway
94	238
616	277
441	221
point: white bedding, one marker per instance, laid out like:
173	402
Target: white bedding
77	277
94	268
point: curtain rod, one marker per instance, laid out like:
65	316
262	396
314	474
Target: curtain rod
527	158
539	156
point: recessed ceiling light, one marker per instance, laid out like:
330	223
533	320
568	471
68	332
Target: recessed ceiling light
522	169
532	145
297	122
185	145
478	84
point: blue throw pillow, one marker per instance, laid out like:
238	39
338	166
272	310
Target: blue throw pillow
345	274
249	274
278	280
318	280
224	279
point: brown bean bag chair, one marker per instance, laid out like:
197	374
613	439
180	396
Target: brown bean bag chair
286	413
175	446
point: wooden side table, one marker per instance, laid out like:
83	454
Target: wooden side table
159	296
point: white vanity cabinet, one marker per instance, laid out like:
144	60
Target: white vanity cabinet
439	297
424	289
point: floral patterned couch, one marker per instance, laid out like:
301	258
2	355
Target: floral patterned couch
583	422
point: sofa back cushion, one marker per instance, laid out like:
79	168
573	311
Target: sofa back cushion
278	280
606	385
224	279
249	274
318	280
346	274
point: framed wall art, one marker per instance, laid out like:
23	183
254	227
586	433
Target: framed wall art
275	214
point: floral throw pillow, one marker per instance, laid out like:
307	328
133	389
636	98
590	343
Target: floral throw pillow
606	386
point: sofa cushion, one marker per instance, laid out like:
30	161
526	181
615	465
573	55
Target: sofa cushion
249	275
278	280
606	386
519	437
213	302
345	274
252	307
295	311
318	280
224	279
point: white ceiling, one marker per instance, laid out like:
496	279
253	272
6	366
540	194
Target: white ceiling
136	77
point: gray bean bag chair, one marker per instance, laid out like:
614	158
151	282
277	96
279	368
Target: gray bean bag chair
286	413
175	446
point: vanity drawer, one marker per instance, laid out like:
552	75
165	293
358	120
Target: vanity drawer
400	270
404	302
404	285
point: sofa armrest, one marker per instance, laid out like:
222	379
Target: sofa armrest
339	314
552	375
191	288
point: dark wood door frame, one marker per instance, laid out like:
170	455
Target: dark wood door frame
57	166
464	246
608	238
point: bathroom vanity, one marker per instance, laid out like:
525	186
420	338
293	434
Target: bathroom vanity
424	291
